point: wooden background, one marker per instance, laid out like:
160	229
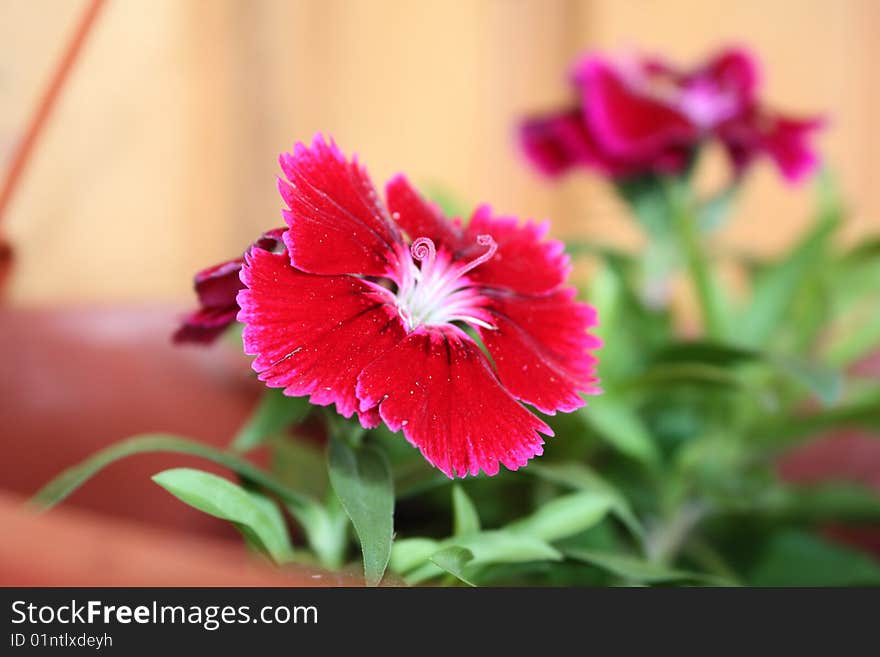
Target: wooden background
161	157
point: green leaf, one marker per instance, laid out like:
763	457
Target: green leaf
301	464
410	553
564	516
618	424
257	517
416	477
835	501
326	532
713	213
794	558
859	341
688	374
500	546
274	413
629	327
777	288
790	429
635	569
305	509
453	560
710	360
74	477
868	250
824	381
660	262
464	513
491	547
647	200
707	352
580	477
710	295
361	479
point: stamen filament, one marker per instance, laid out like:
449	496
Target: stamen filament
482	240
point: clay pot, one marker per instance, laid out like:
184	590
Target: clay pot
79	379
70	547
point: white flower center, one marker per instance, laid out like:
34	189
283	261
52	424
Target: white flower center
439	292
707	104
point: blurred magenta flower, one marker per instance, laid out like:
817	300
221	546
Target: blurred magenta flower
374	307
642	115
217	288
786	140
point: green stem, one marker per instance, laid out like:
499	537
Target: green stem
663	545
690	244
352	433
711	560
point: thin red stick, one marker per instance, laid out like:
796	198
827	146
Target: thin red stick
46	104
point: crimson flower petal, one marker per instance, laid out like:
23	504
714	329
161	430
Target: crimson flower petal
338	224
418	217
525	262
369	418
312	335
734	70
559	142
540	348
787	141
439	389
628	124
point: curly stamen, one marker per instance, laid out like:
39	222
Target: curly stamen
423	250
482	240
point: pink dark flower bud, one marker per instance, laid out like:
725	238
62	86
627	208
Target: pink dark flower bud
217	288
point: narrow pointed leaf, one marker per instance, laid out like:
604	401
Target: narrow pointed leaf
638	570
361	479
74	477
274	413
410	553
304	508
453	560
564	516
464	513
621	427
714	213
581	477
823	381
254	515
799	558
490	547
788	430
776	289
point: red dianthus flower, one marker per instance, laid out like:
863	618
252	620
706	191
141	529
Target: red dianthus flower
375	307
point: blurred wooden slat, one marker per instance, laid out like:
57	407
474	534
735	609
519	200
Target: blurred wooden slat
162	156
